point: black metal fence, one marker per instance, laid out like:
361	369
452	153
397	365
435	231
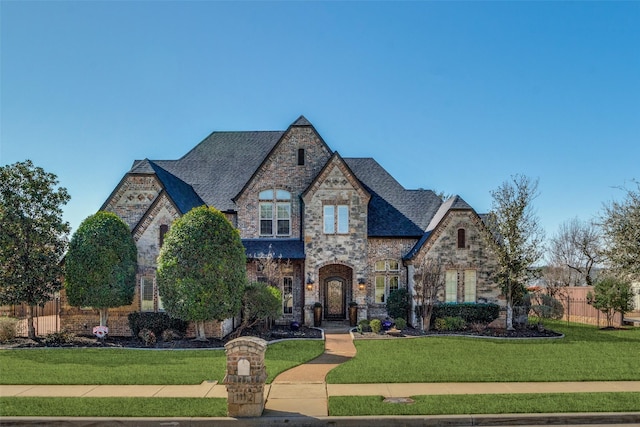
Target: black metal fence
46	319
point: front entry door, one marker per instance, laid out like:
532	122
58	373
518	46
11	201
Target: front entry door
334	295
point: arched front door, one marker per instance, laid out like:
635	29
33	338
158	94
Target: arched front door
335	298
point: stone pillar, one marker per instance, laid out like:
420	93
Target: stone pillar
246	375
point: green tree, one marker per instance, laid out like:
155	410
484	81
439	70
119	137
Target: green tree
260	302
33	236
101	264
429	282
519	237
399	303
621	230
612	295
202	268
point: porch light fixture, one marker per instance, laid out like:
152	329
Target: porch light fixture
309	282
361	283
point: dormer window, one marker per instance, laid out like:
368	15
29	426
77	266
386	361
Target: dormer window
275	213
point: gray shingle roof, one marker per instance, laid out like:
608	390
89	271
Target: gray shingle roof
221	164
393	210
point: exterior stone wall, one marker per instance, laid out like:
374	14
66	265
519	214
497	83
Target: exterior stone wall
477	255
381	249
132	198
335	186
281	171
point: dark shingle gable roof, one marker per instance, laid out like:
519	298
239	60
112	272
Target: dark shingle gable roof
221	164
393	210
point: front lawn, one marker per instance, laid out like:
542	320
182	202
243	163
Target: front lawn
486	404
585	354
128	366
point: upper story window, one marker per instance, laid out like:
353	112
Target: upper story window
336	219
275	213
300	156
387	279
462	238
163	230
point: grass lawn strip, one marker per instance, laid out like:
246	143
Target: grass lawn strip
111	407
487	404
585	354
59	366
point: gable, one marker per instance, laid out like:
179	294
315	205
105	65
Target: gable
132	197
336	181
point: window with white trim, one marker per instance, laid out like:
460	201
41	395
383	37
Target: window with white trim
470	283
149	296
336	219
275	213
451	286
387	279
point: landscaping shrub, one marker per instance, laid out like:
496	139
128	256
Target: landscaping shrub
7	328
58	338
156	322
478	327
375	326
400	323
363	326
470	312
449	324
398	303
148	337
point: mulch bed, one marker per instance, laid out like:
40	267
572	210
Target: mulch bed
276	333
532	332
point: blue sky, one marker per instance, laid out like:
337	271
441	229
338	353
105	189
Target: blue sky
451	96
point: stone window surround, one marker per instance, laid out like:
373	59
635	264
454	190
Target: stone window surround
336	216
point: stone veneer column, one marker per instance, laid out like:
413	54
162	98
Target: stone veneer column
246	375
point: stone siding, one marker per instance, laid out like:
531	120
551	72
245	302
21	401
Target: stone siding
133	197
281	171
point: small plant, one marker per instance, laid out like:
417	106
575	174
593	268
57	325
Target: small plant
169	335
317	304
148	337
363	326
375	325
353	304
7	328
56	339
400	323
440	324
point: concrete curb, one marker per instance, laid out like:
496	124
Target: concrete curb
632	418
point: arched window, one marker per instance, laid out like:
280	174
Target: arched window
275	213
462	238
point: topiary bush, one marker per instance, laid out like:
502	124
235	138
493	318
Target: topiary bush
56	339
469	312
155	322
375	325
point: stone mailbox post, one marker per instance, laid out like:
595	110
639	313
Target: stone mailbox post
246	375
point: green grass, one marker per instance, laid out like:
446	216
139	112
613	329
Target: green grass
128	366
112	407
486	404
585	354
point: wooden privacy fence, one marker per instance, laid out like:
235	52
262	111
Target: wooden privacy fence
577	309
46	319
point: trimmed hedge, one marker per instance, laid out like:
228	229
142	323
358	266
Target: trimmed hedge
470	312
155	322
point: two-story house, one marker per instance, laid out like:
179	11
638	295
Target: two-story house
347	230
